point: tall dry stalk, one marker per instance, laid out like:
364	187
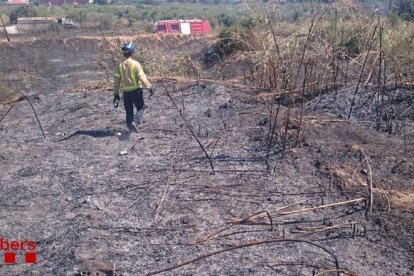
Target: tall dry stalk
362	72
5	30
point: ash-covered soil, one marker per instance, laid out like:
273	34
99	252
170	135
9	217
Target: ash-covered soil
159	205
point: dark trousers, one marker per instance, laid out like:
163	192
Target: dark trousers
132	98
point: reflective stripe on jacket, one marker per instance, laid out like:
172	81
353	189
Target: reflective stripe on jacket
130	76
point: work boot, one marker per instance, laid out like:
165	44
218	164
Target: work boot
139	116
133	127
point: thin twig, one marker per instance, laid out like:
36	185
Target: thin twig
302	104
352	225
136	201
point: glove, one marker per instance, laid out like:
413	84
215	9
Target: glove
116	100
151	91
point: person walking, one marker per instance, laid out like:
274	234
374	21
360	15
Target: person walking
130	77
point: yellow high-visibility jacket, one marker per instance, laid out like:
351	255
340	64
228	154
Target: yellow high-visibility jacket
129	75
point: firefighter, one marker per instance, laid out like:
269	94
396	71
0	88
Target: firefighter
130	77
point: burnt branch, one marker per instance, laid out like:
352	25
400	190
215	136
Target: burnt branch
189	127
250	244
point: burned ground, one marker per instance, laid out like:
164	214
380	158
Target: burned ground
159	205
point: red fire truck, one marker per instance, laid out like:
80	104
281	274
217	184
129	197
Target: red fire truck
183	26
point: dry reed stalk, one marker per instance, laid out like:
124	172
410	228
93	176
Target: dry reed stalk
273	35
371	71
339	271
5	30
139	199
310	34
167	185
370	184
347	225
37	118
322	206
381	86
249	218
335	50
302	107
108	46
362	71
258	214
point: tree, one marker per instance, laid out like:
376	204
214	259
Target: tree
22	11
